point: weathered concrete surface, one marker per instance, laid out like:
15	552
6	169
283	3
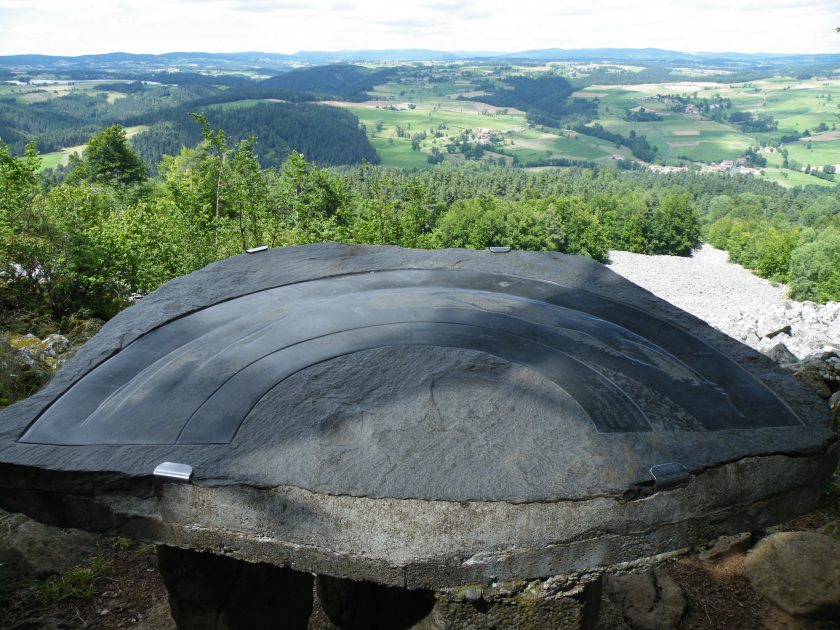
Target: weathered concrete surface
212	592
423	465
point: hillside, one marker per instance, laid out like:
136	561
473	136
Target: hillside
327	135
340	80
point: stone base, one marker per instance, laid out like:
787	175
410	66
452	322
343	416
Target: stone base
211	592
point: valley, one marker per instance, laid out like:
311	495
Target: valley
781	126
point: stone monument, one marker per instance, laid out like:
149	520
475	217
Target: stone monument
353	436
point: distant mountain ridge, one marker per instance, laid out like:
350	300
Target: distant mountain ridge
287	61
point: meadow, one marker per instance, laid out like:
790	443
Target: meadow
796	106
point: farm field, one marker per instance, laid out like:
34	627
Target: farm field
403	108
678	135
391	125
795	105
815	153
38	93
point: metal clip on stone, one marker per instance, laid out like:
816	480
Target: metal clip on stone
670	475
170	471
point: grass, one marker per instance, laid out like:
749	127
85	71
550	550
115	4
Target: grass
399	153
76	583
52	160
532	145
789	179
820	153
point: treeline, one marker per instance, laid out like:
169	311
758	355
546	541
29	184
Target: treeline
327	135
638	145
798	245
70	120
52	125
546	100
341	80
109	232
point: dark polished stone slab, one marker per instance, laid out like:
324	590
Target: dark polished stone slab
196	380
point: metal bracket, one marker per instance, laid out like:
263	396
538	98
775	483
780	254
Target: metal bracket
256	250
670	475
170	471
499	249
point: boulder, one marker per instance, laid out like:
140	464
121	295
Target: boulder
832	528
38	550
647	601
726	546
781	355
834	403
799	572
819	371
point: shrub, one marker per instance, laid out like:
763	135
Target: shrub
815	268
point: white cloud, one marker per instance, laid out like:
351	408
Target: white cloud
81	26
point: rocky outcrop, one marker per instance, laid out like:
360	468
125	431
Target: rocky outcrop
749	309
799	572
804	327
47	354
819	371
27	362
31	550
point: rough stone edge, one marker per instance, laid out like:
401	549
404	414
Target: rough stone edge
447	543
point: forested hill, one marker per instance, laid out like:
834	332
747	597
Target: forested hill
547	100
326	135
342	80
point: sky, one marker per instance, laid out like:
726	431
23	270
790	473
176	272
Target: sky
73	27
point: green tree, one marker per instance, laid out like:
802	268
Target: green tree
815	268
676	225
108	159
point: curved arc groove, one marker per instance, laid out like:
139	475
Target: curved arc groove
247	387
217	339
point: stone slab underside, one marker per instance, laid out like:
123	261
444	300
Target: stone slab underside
415	418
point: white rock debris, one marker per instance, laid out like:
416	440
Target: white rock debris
734	300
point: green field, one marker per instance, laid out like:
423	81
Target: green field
788	178
52	160
444	118
819	153
397	152
678	135
795	105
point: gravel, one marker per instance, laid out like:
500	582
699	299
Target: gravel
734	300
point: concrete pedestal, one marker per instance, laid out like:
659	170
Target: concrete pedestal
212	592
